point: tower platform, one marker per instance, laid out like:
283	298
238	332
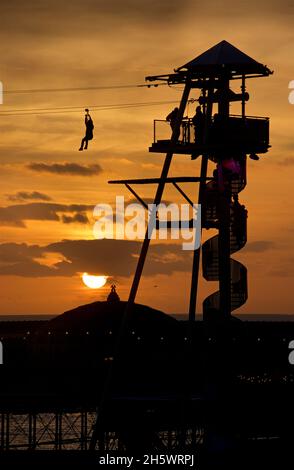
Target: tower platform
232	136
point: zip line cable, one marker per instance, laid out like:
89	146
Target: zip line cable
77	109
92	107
106	87
74	109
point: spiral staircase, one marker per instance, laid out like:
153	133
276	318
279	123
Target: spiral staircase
238	239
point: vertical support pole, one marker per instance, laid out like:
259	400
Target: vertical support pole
2	430
32	431
224	220
201	193
82	434
196	255
83	430
58	430
243	89
224	256
7	440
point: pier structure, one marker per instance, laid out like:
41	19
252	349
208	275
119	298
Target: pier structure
177	389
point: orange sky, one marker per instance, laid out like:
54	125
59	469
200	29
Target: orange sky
92	43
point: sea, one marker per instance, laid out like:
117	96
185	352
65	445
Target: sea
179	316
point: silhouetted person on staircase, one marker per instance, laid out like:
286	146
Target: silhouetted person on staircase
89	131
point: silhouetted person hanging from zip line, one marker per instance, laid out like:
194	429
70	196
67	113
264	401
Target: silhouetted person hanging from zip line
89	131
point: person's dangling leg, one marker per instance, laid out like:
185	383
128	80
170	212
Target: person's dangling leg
86	143
82	143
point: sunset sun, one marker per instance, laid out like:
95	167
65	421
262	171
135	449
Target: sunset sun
94	282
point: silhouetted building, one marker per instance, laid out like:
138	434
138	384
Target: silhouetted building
113	295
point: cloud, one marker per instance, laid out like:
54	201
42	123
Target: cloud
80	218
16	215
66	168
288	161
102	257
40	17
284	269
14	252
26	196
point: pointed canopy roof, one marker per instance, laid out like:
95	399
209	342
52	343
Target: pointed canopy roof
224	56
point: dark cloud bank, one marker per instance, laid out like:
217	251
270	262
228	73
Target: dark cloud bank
28	196
101	257
16	215
107	257
66	168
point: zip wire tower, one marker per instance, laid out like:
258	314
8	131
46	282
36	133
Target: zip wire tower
226	140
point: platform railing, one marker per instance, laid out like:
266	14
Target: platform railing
162	127
237	129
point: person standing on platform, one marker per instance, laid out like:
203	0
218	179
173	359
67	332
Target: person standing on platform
171	117
198	123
